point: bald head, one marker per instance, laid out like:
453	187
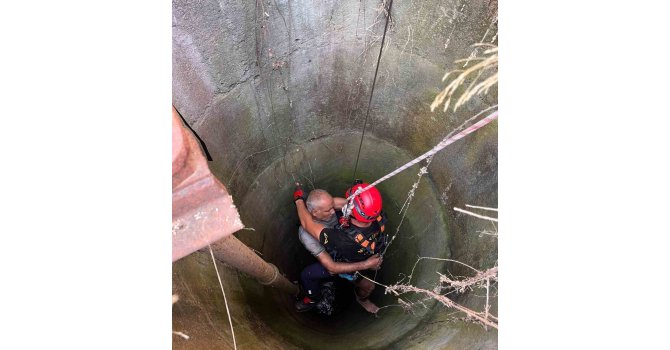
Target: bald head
320	204
317	198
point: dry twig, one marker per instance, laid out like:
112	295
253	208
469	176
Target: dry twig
458	285
401	289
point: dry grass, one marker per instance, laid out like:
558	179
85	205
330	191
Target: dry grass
482	76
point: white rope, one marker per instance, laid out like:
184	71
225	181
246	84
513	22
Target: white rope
483	208
444	143
224	297
475	215
181	334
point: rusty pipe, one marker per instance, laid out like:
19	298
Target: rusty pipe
202	210
235	253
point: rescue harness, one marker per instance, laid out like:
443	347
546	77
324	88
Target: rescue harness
372	241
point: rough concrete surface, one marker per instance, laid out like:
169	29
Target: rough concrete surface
278	91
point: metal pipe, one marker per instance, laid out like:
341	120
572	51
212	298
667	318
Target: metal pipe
235	253
203	213
202	210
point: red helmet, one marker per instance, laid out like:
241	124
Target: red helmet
367	205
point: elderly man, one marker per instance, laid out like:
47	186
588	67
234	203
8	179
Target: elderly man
353	248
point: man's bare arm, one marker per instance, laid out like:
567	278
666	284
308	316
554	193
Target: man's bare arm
339	202
373	262
312	227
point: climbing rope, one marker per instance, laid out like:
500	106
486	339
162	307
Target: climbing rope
372	91
444	143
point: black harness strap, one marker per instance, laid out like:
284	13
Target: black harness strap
372	241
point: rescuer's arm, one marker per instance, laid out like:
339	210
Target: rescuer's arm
374	262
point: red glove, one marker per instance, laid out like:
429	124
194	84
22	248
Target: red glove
344	221
299	193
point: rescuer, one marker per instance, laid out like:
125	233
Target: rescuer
356	238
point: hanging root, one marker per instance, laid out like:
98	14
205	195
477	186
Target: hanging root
408	201
462	285
453	285
481	317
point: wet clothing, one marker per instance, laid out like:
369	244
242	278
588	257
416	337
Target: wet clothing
310	243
